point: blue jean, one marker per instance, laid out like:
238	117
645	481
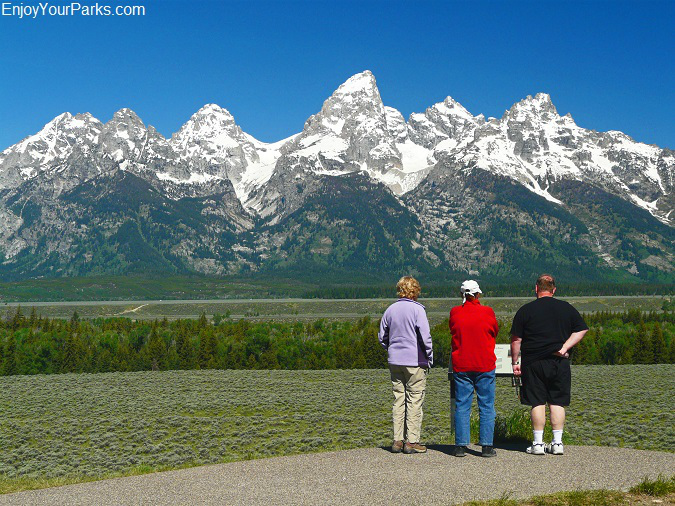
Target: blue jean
484	385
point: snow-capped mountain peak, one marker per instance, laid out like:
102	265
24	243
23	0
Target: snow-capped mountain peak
353	132
212	127
354	102
212	145
212	109
450	107
50	148
125	139
362	84
443	126
348	134
58	120
540	106
61	126
126	120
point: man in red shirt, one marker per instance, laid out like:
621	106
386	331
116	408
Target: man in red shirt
474	329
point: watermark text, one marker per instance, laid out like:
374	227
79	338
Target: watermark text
45	9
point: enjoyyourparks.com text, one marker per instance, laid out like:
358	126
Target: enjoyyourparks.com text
45	9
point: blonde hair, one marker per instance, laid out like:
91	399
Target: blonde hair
408	288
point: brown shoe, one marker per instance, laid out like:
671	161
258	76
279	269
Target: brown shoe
397	447
414	448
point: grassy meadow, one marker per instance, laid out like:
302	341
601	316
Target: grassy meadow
309	309
73	427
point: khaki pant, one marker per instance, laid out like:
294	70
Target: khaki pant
409	384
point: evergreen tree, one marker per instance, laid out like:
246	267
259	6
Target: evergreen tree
626	355
359	361
268	359
207	346
70	353
251	363
156	349
593	349
33	320
184	349
171	360
75	322
18	320
203	321
374	355
659	345
124	351
580	351
643	352
10	366
610	352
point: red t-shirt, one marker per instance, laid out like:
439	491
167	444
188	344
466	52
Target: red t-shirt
474	329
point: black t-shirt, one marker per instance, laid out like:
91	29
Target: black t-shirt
544	325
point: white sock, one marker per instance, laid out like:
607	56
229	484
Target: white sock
557	436
538	436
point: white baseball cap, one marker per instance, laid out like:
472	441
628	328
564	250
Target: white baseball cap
469	287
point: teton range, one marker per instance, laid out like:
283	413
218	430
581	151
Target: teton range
358	190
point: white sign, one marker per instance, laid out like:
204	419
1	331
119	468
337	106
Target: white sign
503	353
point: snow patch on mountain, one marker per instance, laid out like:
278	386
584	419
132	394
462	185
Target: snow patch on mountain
258	174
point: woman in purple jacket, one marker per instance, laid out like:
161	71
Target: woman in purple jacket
404	333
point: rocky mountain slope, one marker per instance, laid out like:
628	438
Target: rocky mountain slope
359	189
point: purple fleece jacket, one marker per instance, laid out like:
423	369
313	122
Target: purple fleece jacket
405	334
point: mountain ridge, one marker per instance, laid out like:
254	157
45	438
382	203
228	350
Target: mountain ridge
233	149
241	189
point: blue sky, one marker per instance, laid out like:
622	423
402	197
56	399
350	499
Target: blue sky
272	64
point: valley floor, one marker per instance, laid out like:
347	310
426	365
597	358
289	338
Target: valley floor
309	309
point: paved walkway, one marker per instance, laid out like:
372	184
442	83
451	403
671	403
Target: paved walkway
368	476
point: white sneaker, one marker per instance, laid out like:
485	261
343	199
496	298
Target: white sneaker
555	449
536	449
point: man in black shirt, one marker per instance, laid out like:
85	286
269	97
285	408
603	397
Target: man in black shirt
543	333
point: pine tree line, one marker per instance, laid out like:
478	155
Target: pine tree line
629	337
37	345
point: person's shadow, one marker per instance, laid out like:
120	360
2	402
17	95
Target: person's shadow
518	447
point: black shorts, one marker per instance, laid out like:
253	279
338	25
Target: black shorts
546	381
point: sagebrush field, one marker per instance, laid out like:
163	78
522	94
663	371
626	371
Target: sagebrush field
88	425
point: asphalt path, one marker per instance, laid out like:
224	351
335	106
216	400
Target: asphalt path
369	476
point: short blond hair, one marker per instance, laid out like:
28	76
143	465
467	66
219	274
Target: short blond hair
408	288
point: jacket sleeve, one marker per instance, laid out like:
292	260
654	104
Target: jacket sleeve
383	335
425	332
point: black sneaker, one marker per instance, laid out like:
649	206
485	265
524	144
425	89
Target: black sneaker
488	451
460	451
